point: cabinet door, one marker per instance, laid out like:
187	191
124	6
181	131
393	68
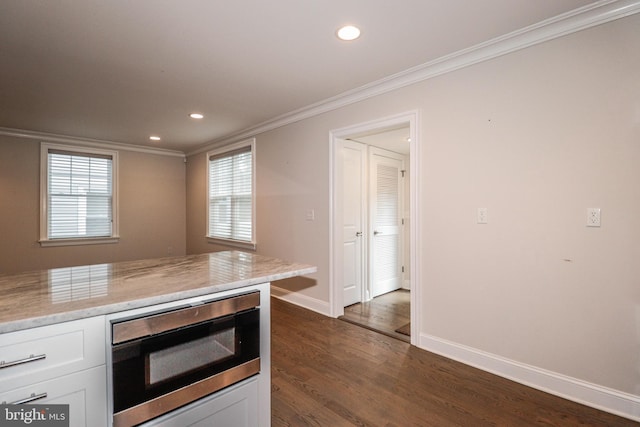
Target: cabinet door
54	351
85	392
236	406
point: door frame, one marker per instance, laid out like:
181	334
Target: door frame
335	219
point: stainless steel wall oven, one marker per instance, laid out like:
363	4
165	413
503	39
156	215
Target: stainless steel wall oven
164	360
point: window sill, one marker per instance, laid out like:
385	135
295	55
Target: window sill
233	243
79	242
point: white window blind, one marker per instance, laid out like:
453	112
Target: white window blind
79	194
231	195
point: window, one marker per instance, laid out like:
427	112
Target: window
78	197
230	195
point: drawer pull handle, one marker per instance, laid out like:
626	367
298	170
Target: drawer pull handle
31	358
29	399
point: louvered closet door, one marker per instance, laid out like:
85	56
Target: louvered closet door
386	220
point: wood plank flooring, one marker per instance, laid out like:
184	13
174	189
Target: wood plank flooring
383	314
326	372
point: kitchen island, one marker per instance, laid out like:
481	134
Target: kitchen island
55	330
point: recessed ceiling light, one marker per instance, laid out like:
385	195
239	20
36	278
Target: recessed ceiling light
348	32
154	138
196	116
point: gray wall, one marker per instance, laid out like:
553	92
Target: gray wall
152	210
537	137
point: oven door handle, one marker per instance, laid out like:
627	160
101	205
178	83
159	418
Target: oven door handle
167	321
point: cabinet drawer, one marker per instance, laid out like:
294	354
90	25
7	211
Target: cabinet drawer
236	406
39	354
85	392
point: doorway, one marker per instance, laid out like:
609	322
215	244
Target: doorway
388	314
374	196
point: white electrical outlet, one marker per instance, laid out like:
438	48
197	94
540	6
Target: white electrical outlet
593	217
482	216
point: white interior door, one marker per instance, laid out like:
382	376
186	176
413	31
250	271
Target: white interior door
385	213
353	164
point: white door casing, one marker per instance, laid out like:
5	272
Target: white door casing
336	244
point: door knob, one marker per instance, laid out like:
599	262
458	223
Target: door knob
359	233
376	232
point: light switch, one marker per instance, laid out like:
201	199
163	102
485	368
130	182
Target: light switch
311	215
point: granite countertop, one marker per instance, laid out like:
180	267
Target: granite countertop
39	298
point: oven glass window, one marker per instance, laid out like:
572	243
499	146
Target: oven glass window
180	359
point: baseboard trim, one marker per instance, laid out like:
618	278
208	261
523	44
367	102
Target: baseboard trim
603	398
302	300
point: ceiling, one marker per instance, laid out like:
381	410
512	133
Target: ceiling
122	70
395	139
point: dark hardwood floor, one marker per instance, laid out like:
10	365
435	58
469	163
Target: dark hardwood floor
383	314
326	372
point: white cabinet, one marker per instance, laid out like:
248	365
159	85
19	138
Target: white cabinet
236	406
58	364
83	391
68	363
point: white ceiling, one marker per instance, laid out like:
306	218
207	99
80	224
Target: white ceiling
396	139
121	70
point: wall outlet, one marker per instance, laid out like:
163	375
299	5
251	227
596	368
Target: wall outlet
482	216
593	217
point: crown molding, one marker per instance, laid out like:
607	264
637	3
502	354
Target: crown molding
86	142
579	19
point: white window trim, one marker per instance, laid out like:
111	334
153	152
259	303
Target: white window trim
44	196
230	242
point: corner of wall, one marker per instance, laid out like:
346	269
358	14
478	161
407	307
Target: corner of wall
302	300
